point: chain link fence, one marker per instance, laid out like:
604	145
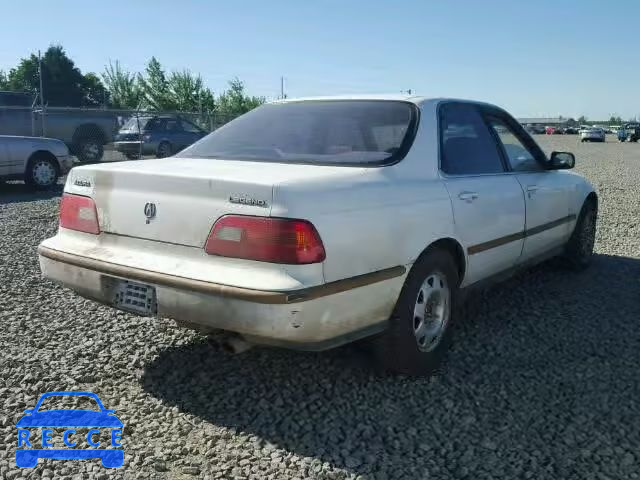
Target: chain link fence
95	135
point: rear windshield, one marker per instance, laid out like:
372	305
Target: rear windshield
340	132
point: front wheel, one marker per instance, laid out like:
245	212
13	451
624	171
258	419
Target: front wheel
579	249
41	173
419	332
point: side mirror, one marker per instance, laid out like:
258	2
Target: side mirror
562	160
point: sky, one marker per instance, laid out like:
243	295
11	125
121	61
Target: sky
534	58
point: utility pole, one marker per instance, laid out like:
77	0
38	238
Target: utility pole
41	95
282	88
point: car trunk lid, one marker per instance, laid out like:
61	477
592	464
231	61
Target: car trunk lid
177	200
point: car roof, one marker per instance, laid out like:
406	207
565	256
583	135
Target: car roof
417	99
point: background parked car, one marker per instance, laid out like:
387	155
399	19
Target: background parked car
571	130
85	132
161	136
629	132
37	161
592	134
535	129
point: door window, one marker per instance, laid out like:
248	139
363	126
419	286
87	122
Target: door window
189	127
520	158
173	125
466	144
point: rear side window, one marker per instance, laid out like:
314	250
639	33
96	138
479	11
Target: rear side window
327	132
466	145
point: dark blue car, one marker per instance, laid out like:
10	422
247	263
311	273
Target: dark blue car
27	457
159	135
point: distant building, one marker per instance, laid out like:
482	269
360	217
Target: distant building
551	122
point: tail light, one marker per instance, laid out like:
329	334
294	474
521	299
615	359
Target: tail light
275	240
79	213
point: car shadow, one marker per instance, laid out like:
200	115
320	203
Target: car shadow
544	340
18	192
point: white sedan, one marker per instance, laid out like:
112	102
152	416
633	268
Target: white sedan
312	223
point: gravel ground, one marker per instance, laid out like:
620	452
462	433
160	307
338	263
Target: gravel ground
541	382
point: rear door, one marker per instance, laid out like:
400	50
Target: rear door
548	219
488	204
192	133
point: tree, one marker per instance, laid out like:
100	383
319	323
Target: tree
582	120
156	94
235	102
4	81
63	83
190	94
615	120
95	92
124	89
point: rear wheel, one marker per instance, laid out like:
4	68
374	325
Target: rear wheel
90	150
41	172
164	150
579	248
419	332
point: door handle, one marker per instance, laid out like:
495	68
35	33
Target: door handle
468	196
531	190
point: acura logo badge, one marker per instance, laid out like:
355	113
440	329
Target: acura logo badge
149	211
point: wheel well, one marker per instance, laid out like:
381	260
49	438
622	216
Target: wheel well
592	198
46	155
88	130
456	251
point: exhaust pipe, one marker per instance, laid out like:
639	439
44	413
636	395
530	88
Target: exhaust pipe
235	344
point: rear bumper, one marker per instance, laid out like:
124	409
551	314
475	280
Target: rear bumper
314	318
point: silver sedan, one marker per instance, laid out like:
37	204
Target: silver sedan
592	135
37	161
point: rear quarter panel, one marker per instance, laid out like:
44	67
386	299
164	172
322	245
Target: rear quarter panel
370	225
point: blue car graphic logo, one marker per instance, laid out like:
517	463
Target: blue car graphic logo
70	419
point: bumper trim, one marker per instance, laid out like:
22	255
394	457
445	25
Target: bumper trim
256	296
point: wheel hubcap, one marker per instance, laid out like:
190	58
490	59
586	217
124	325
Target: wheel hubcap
164	150
44	173
90	150
431	312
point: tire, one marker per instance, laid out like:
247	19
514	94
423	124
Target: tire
132	156
89	149
41	173
409	346
164	150
579	249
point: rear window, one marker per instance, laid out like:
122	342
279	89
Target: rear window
338	132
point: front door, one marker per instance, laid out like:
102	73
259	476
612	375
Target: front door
548	219
488	204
